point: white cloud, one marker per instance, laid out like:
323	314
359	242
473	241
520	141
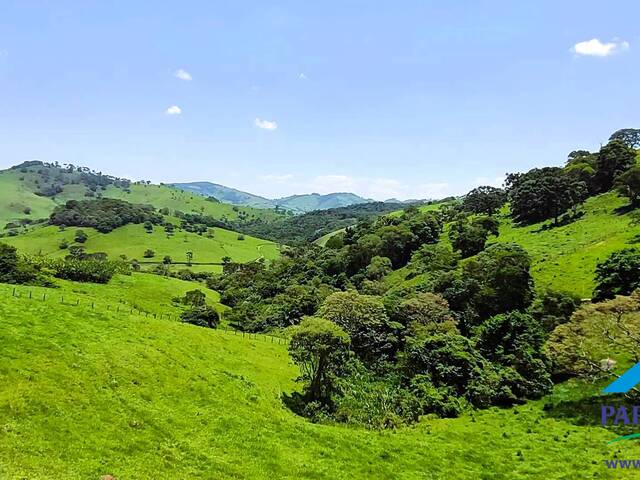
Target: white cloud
276	178
183	75
595	48
266	124
302	76
173	110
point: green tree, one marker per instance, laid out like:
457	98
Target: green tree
320	348
543	193
629	136
515	340
194	298
190	258
167	260
613	159
618	275
364	318
484	199
426	314
149	253
502	272
628	184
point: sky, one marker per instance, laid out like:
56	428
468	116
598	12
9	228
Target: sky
404	99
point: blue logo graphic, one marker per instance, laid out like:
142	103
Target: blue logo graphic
626	382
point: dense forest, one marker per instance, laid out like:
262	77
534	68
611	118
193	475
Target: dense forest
472	333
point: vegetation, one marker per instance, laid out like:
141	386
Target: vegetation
103	214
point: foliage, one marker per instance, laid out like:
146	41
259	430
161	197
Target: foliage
543	193
597	337
80	237
618	275
319	347
469	236
201	315
364	318
104	214
629	136
613	159
628	184
484	200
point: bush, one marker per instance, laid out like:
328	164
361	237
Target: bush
202	316
81	237
149	253
84	270
13	268
618	275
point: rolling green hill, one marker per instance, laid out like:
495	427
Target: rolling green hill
19	187
89	392
132	241
564	258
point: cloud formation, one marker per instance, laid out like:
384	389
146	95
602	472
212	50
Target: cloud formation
173	110
266	124
183	75
596	48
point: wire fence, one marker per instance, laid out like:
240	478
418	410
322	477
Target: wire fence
61	299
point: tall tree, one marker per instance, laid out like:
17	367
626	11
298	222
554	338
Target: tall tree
628	184
484	199
613	159
543	193
629	136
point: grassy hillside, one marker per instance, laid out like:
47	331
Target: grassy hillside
18	187
88	392
565	258
132	241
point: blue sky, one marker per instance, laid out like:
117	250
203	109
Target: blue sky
387	99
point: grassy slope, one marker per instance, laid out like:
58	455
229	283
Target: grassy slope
565	258
132	241
16	193
84	393
14	199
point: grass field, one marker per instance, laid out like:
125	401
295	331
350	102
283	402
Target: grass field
86	392
132	241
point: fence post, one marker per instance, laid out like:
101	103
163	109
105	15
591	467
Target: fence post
61	299
44	297
30	294
14	292
77	302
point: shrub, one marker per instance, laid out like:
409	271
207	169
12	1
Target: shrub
81	237
618	275
202	316
149	253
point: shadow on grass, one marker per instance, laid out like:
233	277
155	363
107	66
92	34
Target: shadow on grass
624	209
564	220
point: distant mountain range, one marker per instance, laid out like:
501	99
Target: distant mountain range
295	203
